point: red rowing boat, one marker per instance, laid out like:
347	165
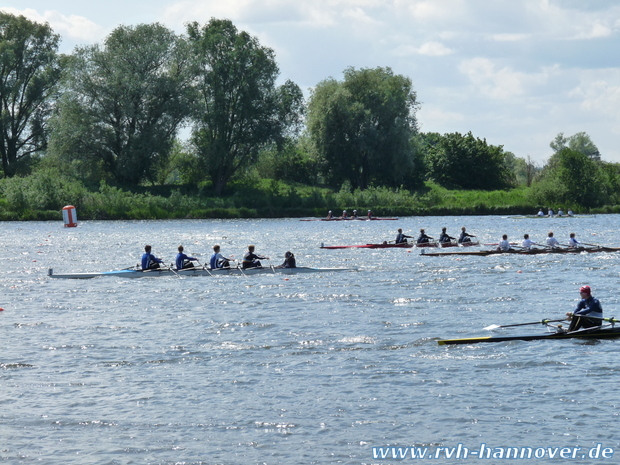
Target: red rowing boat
385	245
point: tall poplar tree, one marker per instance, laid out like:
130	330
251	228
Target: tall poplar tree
29	71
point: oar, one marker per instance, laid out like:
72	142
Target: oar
204	268
271	266
542	322
175	273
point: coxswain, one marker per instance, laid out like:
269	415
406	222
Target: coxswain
369	215
443	237
401	238
527	242
345	215
218	260
183	261
423	238
504	245
251	260
588	313
464	237
329	215
289	261
150	261
573	242
552	242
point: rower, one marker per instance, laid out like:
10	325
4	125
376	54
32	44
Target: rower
218	260
527	242
401	238
329	215
588	313
251	260
464	237
369	215
444	238
541	213
560	212
423	238
552	242
150	261
289	261
504	245
573	242
344	216
354	214
570	212
550	213
183	261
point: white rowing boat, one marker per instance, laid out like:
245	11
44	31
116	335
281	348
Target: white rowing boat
136	273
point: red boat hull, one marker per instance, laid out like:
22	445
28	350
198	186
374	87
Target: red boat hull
405	245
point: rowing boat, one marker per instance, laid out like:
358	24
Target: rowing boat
350	219
457	244
137	273
599	332
522	217
402	245
484	253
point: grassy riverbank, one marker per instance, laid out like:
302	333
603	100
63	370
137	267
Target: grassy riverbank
42	197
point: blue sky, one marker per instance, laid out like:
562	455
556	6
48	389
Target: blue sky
514	72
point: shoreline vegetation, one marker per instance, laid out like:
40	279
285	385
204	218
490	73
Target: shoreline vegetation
41	198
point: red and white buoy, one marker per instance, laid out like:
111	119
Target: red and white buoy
69	216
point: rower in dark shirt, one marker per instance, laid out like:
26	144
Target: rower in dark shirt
465	237
251	260
183	261
444	237
401	238
150	261
423	238
289	261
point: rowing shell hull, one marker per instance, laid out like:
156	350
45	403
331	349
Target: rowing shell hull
484	253
404	245
195	272
605	333
350	219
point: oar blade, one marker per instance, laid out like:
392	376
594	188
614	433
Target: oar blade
491	327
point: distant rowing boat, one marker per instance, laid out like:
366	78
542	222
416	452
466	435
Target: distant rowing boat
604	332
134	273
350	219
402	245
484	253
522	217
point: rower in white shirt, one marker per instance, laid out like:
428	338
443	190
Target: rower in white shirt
573	242
504	245
527	242
552	241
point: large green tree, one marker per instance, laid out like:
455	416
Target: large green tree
572	179
29	71
363	127
239	109
467	162
580	142
124	103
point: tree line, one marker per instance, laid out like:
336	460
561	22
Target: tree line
112	113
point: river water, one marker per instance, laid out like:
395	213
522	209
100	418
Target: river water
302	369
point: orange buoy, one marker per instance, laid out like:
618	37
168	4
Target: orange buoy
69	216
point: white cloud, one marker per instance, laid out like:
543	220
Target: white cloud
433	49
73	27
500	83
